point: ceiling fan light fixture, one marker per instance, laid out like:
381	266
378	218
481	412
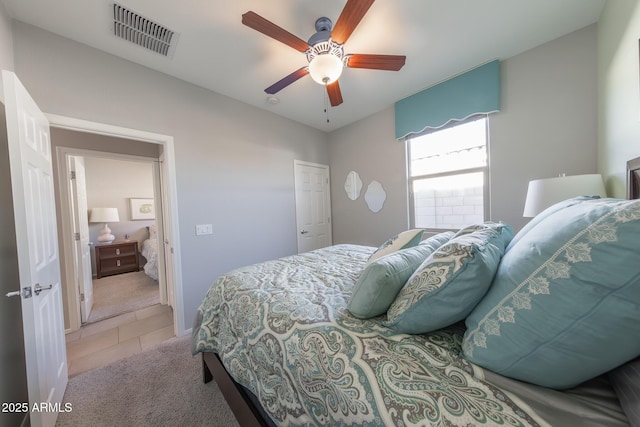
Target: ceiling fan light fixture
325	61
325	68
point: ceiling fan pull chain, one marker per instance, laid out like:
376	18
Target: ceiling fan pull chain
326	104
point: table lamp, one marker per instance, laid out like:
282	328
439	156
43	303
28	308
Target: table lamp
543	193
105	215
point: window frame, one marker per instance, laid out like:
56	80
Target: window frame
483	169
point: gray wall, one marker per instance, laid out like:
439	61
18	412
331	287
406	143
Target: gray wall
548	122
6	43
619	105
234	162
547	126
369	148
13	386
111	183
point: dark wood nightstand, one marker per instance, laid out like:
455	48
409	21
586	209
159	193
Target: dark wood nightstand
116	258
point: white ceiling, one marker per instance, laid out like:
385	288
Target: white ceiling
440	38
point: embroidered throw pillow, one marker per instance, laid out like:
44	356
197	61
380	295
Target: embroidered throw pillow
547	212
450	282
381	280
564	306
406	239
482	226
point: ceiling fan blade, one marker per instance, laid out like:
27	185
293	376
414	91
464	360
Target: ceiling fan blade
281	84
258	23
376	62
349	19
335	96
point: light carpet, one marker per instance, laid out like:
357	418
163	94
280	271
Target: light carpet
159	387
122	293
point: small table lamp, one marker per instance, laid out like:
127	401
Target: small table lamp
543	193
105	215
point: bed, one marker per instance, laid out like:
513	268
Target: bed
283	343
149	250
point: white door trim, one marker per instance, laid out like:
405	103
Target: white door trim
167	142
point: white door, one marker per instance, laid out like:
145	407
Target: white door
158	195
82	245
313	206
165	257
37	245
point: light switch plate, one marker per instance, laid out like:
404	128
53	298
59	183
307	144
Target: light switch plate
204	229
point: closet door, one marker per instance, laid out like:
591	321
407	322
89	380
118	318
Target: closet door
313	206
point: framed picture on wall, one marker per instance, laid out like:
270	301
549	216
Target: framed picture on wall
142	209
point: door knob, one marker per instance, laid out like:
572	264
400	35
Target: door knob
24	293
304	232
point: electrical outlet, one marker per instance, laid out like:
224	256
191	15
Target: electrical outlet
204	229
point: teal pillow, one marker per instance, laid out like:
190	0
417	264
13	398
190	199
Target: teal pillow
482	226
406	239
437	240
564	306
450	282
546	213
381	280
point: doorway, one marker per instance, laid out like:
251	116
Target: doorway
110	286
135	143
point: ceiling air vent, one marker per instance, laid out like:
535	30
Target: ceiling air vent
142	31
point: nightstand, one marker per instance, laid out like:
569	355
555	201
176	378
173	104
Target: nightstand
116	258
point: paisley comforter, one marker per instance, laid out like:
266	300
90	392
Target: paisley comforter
282	330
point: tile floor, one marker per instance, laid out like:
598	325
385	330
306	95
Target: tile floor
101	343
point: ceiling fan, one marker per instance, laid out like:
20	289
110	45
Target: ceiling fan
324	50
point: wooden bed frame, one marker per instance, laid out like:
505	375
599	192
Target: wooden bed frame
246	412
250	414
633	178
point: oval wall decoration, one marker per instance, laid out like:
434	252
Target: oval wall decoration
375	196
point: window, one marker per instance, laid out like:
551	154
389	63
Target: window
448	175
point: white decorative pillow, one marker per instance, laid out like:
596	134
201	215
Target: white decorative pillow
406	239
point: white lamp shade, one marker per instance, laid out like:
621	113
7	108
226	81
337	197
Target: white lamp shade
325	68
543	193
104	215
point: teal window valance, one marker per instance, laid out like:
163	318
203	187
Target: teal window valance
475	92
